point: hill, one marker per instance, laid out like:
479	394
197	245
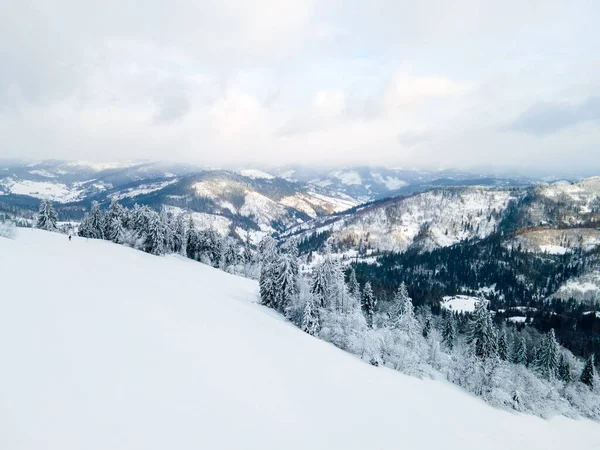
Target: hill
107	347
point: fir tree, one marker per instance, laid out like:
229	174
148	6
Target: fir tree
503	346
426	321
46	218
449	331
96	222
564	369
180	235
547	361
113	223
353	286
287	279
588	374
369	302
310	317
267	284
403	313
482	334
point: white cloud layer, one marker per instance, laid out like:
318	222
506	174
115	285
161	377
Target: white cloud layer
470	83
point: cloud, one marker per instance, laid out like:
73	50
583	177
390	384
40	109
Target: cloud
220	82
550	117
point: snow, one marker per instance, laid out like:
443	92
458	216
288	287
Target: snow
143	189
98	167
392	183
179	371
583	288
348	177
255	173
460	303
553	249
114	348
596	313
517	319
42	173
57	192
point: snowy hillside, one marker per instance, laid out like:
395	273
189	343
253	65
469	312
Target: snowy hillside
557	241
584	288
437	218
114	348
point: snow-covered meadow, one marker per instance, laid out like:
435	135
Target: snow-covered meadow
105	347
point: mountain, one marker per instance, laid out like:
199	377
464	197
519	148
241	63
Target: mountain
114	348
556	217
229	201
372	183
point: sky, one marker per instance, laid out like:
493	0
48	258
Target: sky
506	84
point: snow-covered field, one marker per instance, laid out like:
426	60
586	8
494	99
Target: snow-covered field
460	303
104	347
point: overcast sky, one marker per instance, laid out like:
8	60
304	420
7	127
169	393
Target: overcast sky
506	84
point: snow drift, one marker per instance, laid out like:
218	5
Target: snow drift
104	347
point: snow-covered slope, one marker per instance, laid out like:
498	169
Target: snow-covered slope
104	347
585	288
432	219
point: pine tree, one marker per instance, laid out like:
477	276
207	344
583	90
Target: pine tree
318	285
482	334
426	321
588	374
547	361
96	224
503	346
46	219
353	286
402	313
310	317
267	286
564	369
287	280
448	333
113	223
369	302
154	233
180	235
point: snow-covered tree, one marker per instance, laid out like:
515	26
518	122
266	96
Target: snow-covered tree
520	351
287	279
564	369
547	361
268	283
449	331
114	229
588	374
310	317
353	286
482	333
503	346
402	313
369	303
46	218
180	235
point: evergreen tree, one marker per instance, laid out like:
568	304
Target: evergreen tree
588	374
564	369
369	302
180	238
46	218
426	321
482	334
267	284
287	279
449	331
310	317
154	233
353	286
96	223
503	346
547	361
318	285
402	313
113	223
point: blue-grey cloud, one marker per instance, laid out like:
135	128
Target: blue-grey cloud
172	109
549	117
